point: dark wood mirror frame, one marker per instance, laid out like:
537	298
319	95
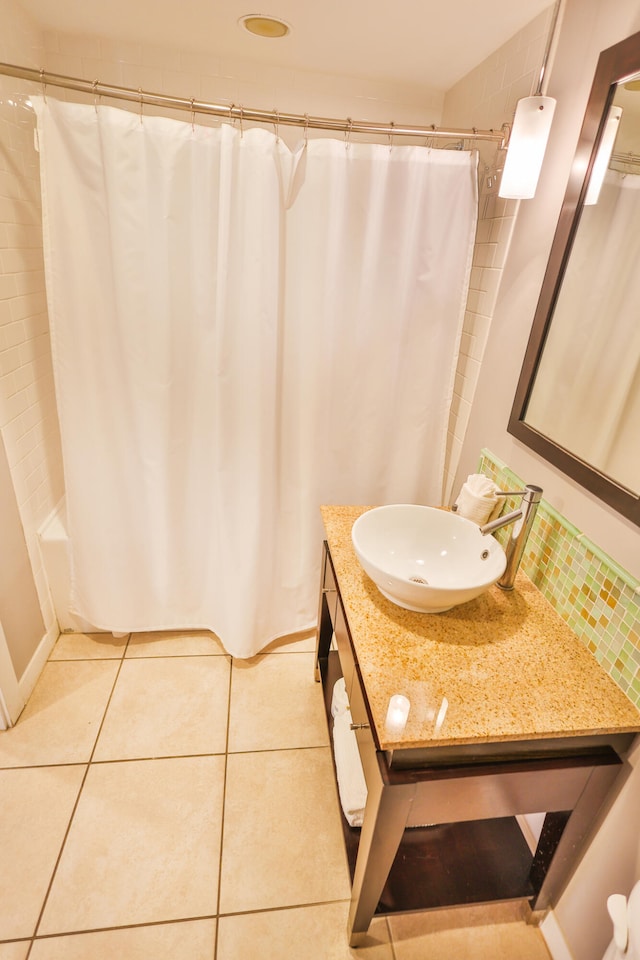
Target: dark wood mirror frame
615	64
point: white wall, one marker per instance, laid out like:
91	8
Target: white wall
612	863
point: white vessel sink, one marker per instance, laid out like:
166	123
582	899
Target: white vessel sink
425	559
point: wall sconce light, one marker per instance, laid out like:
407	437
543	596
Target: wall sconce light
529	133
526	147
605	149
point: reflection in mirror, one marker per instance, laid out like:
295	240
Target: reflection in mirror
586	392
577	402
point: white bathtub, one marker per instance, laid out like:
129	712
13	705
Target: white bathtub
54	547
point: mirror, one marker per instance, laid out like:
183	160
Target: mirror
578	397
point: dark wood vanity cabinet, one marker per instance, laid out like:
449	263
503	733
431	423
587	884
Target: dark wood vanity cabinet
441	824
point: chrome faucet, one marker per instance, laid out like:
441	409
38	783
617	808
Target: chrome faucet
531	496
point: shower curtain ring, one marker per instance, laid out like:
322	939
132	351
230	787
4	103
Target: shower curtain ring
391	136
141	102
241	122
347	134
277	125
95	95
306	129
44	86
193	116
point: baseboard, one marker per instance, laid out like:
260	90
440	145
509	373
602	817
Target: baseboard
554	938
35	667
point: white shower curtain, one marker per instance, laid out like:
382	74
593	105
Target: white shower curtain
240	333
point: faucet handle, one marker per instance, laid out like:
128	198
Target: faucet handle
510	493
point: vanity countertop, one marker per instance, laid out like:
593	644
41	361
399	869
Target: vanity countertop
502	667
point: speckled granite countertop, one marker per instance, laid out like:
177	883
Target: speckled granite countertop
502	667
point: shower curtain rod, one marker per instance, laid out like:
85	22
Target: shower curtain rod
233	112
631	158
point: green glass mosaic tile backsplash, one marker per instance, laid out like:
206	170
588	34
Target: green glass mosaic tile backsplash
598	599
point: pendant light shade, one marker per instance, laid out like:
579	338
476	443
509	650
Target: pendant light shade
527	144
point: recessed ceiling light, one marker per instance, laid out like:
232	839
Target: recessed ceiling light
263	26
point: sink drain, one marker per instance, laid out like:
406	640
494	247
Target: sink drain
419	580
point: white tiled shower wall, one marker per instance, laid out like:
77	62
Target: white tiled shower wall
28	420
28	417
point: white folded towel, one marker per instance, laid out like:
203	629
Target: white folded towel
339	699
352	786
477	499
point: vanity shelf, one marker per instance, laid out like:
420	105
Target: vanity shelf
470	790
437	866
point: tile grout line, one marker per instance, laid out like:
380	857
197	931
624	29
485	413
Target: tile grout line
35	937
282	907
186	919
75	806
387	924
227	754
43	766
224	801
124	926
217	915
93	762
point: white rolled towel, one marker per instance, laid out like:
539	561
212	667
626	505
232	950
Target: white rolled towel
477	499
352	785
339	698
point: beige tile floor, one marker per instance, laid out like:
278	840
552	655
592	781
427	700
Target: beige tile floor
159	800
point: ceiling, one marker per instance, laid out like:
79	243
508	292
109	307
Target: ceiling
429	43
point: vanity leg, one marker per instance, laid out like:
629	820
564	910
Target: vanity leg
385	817
552	829
563	836
323	641
324	630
